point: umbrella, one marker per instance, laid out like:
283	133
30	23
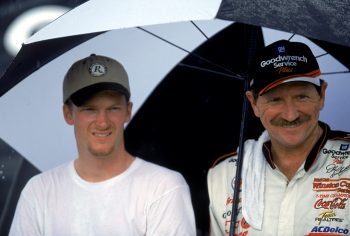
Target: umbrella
31	58
189	138
20	19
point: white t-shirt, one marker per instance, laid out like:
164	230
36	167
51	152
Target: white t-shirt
146	199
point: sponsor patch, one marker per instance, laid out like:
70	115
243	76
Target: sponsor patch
327	216
281	49
329	231
340	187
336	203
344	147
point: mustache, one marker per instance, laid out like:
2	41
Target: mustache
285	123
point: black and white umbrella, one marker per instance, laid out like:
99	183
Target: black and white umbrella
187	62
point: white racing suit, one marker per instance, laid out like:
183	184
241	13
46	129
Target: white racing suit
314	203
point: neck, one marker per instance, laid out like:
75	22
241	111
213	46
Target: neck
95	169
289	160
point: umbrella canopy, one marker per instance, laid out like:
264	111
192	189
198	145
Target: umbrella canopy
190	115
311	19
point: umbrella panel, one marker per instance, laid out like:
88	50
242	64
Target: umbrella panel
15	171
20	67
186	124
325	20
194	115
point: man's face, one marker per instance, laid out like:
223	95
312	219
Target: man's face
290	112
99	124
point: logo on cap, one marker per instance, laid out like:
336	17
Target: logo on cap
281	49
97	70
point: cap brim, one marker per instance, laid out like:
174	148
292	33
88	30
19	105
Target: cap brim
84	94
314	80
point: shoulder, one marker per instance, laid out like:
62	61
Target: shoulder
220	177
155	172
49	176
224	161
223	168
339	135
336	139
55	172
154	181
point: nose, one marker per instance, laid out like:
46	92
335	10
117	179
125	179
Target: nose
290	111
102	119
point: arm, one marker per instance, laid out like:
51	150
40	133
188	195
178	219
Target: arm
214	225
172	213
26	221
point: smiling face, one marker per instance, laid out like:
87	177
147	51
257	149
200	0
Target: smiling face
290	113
99	124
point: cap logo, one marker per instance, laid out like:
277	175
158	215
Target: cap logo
97	70
285	60
281	49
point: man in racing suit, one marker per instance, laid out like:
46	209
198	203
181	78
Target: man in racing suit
296	176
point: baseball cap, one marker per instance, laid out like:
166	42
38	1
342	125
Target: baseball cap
281	62
93	74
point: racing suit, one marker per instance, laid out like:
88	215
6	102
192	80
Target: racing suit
314	202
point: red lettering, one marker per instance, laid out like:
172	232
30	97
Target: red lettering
229	200
336	203
244	224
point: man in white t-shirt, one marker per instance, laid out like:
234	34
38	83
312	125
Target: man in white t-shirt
105	190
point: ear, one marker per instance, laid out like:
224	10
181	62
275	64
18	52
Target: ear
324	86
67	113
129	111
252	100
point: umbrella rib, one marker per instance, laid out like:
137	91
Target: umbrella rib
290	38
331	73
212	71
183	49
163	39
337	72
321	55
199	29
